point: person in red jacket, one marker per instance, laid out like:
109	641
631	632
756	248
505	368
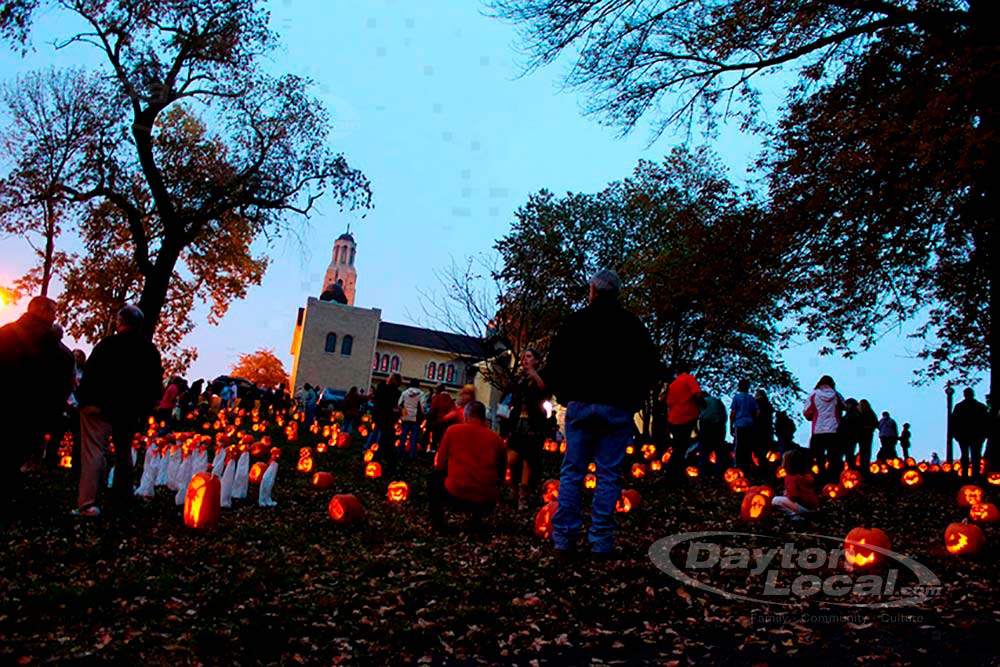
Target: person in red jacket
469	469
800	488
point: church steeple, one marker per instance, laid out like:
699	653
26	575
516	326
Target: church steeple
342	266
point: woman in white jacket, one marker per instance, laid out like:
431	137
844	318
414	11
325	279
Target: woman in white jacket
825	408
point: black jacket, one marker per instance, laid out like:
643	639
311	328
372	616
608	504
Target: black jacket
602	354
123	377
970	421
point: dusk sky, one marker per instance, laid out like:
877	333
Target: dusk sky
429	102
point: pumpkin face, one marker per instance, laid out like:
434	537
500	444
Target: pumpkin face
739	485
257	471
639	470
305	464
692	471
850	479
655	466
874	468
550	491
969	495
322	480
780	473
373	469
202	502
590	481
923	466
731	475
665	459
304	452
551	446
763	489
833	491
398	492
755	507
984	513
772	457
856	551
993	478
543	520
343	441
912	478
345	508
630	499
321	448
963	539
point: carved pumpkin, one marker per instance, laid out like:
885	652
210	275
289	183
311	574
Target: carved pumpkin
321	447
630	500
257	471
550	491
850	479
551	446
590	481
731	475
993	478
945	467
373	469
665	459
739	485
833	491
692	471
629	450
762	489
856	551
781	473
543	520
912	478
923	466
772	457
963	538
322	480
934	467
202	502
639	470
649	451
969	495
755	507
304	452
345	508
398	491
343	441
592	467
874	468
655	466
984	513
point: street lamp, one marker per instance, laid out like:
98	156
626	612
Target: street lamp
949	393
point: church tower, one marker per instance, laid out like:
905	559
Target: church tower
342	266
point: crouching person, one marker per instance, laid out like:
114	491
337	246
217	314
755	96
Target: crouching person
469	468
800	493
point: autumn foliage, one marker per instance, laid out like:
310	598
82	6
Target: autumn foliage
262	367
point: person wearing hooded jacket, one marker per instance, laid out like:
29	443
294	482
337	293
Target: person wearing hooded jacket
412	403
824	409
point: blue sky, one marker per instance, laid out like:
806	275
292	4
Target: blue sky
428	99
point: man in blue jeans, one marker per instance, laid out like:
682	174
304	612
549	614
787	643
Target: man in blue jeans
601	366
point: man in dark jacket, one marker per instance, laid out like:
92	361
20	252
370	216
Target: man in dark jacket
601	366
123	381
37	377
970	424
385	414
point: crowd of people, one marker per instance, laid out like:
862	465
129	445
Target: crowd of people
109	396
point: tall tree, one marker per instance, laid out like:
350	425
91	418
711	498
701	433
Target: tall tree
884	162
209	152
262	368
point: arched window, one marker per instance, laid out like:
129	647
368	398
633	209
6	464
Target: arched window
384	364
331	342
395	364
441	372
451	373
431	370
375	363
347	345
353	252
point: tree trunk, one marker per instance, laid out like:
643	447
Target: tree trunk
156	285
50	242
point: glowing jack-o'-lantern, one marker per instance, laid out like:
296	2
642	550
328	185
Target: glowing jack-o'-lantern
984	513
543	520
630	450
321	447
665	459
963	538
923	466
993	478
202	502
692	471
373	469
780	473
322	480
550	491
969	495
739	485
731	475
630	500
345	508
762	489
304	452
398	491
590	481
305	464
639	470
649	451
592	467
755	507
551	446
368	456
857	551
833	491
66	461
257	471
655	466
343	441
772	457
945	467
850	479
912	478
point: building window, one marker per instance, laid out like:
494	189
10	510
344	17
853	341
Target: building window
431	370
353	251
375	363
395	364
331	342
451	373
441	372
384	364
347	345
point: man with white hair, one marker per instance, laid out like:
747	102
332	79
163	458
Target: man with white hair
601	366
119	389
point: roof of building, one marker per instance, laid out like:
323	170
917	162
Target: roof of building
347	236
467	346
